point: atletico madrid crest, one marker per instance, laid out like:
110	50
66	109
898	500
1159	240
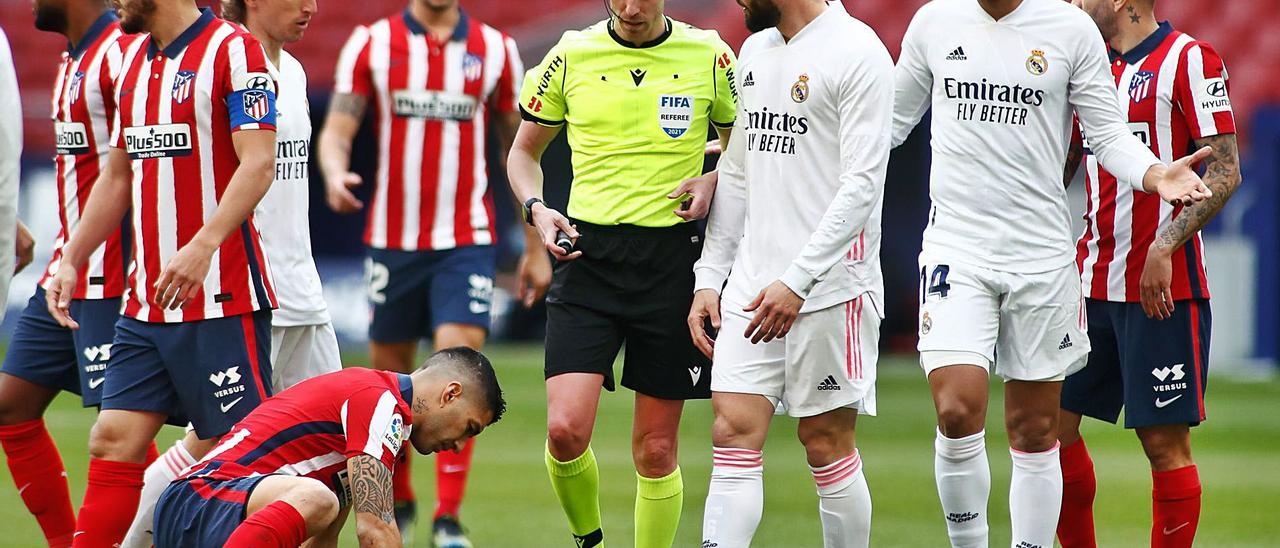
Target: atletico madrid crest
1140	86
183	81
472	67
77	82
256	105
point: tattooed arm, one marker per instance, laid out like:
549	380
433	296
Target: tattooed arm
1222	176
346	110
372	503
1075	153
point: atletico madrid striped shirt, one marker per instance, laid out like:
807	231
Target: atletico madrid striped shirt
1172	89
431	101
311	430
84	109
178	109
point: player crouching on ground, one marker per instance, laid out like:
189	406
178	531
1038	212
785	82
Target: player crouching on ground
276	478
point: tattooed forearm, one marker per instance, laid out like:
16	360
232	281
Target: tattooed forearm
348	103
371	487
1222	176
1074	154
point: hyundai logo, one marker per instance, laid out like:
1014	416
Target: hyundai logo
1217	88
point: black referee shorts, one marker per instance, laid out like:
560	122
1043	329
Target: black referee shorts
632	285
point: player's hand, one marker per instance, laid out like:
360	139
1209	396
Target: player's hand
58	298
1155	284
183	276
776	308
533	275
549	221
1180	184
695	196
706	304
25	250
713	147
337	191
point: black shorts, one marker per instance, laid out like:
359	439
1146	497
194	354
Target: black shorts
632	285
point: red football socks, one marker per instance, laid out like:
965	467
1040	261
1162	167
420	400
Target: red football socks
402	480
110	501
1075	525
451	479
277	525
1175	507
41	479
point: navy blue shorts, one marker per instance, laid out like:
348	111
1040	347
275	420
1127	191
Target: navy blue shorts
47	354
414	292
201	513
1156	370
210	373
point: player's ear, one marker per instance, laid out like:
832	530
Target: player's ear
452	392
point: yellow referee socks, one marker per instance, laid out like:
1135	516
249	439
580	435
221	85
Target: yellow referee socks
658	504
577	485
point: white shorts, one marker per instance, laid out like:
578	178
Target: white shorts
1031	327
827	361
300	352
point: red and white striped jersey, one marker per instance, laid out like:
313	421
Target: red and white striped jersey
312	429
1173	89
178	109
84	110
431	102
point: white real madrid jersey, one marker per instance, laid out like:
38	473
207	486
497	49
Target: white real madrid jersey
282	215
1002	94
802	180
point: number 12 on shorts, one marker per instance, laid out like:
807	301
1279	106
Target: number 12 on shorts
935	283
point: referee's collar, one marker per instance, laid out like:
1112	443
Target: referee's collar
459	32
1144	48
106	19
663	38
183	40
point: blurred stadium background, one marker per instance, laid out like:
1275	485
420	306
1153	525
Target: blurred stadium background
1243	247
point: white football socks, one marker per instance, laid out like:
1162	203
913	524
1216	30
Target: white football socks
1035	497
964	485
735	499
157	477
844	502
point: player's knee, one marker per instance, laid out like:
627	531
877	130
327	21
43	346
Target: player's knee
1031	432
823	446
317	504
654	455
115	440
958	417
13	411
567	438
730	431
1166	449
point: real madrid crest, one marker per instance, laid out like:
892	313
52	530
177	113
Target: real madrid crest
1037	64
926	324
800	89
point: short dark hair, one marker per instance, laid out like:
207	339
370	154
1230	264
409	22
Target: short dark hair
476	366
233	10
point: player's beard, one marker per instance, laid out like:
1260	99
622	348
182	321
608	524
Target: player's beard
51	19
439	5
135	17
761	14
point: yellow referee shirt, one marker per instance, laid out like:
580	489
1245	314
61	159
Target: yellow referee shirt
637	115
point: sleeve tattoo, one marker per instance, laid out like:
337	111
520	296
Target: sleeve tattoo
1222	176
348	103
371	487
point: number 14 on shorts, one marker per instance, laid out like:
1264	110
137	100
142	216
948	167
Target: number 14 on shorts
934	284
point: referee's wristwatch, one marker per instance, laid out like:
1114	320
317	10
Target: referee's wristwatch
528	208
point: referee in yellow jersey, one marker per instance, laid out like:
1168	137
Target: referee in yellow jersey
637	93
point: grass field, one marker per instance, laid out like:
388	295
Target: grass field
510	502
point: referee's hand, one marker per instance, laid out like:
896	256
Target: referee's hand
706	304
548	221
695	196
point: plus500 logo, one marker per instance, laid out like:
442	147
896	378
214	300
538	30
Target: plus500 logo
157	141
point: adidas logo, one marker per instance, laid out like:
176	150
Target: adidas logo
748	81
828	383
957	55
1066	342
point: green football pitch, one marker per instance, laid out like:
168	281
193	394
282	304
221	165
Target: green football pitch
509	500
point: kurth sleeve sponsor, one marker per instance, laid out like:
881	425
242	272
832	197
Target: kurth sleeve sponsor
542	97
724	105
